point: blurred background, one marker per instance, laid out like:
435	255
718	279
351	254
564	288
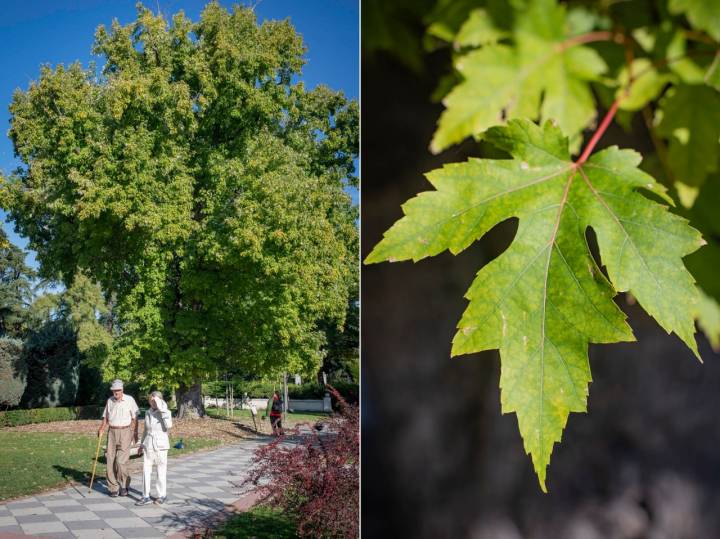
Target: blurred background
438	458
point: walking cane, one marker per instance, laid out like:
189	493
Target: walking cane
97	453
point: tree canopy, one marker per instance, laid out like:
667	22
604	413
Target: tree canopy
197	180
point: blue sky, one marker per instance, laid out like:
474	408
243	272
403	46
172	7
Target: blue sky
36	32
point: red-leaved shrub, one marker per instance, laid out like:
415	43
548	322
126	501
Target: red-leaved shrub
316	480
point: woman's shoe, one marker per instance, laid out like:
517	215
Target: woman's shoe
161	499
144	501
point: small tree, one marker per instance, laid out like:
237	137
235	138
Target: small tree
317	481
13	372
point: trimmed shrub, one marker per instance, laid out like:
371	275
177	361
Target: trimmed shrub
349	390
13	372
306	391
14	418
259	389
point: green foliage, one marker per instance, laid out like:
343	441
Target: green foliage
263	389
702	14
15	289
690	120
13	372
537	77
84	307
392	27
200	186
53	366
14	418
342	348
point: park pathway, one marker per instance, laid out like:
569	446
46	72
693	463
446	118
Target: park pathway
200	487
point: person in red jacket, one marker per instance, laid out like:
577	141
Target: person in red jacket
274	409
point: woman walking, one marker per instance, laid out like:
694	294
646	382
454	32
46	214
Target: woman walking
274	407
155	445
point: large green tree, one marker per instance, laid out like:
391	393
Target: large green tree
201	185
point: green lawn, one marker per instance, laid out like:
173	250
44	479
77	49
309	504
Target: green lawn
291	418
258	522
35	461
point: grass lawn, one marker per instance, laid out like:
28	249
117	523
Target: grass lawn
36	461
258	522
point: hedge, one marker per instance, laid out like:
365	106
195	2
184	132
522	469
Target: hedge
260	390
13	418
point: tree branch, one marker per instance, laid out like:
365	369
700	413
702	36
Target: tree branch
602	35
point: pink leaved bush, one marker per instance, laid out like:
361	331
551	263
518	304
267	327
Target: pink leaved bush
316	480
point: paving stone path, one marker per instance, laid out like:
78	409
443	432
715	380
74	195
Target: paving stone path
200	485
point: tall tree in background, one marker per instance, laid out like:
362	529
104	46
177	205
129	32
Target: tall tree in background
15	289
201	186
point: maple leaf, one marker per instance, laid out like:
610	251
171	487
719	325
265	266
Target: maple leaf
544	300
537	77
690	119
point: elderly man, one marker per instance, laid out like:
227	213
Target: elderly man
120	415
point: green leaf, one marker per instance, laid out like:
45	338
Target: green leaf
690	119
537	77
702	14
544	300
708	319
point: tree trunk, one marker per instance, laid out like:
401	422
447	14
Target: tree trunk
189	401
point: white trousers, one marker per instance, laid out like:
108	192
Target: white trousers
155	458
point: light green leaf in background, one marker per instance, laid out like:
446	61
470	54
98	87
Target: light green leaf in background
702	14
478	29
537	77
446	18
708	319
712	75
647	84
690	120
544	300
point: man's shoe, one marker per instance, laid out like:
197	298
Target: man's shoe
114	494
161	499
123	492
144	501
